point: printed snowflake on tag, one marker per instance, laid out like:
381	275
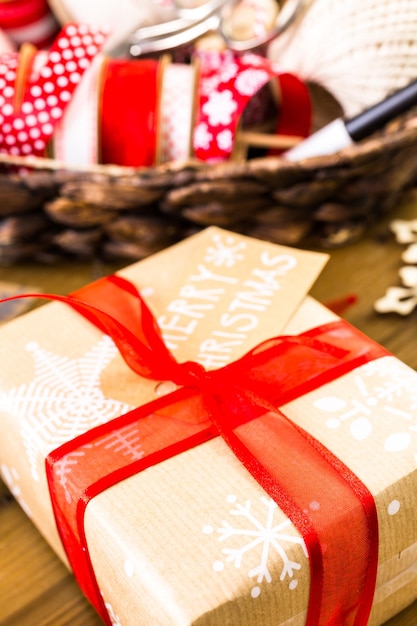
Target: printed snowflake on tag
384	387
261	535
64	400
11	477
225	251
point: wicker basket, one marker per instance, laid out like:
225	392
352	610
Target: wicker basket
48	211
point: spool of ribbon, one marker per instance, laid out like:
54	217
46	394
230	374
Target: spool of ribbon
134	112
177	111
76	139
128	111
38	86
240	402
227	84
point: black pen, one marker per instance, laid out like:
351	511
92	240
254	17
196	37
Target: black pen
342	133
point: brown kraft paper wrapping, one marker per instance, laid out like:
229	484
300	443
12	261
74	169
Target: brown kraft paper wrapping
195	540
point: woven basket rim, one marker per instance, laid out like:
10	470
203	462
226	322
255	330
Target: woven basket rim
372	144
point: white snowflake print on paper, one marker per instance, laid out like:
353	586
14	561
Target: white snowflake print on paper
384	388
225	251
259	533
64	400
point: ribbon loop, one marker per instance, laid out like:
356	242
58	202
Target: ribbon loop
192	374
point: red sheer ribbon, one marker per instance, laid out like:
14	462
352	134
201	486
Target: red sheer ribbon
328	504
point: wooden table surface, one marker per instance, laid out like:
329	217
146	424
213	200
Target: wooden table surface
35	588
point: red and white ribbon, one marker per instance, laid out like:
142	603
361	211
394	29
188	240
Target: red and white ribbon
75	139
177	112
27	126
227	83
133	112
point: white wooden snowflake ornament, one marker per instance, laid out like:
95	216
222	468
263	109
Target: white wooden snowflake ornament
405	231
403	299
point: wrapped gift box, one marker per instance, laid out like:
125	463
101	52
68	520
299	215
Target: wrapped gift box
195	540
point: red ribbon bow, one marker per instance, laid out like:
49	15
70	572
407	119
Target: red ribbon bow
238	402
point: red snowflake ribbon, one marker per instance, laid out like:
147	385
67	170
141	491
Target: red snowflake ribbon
227	83
238	402
28	119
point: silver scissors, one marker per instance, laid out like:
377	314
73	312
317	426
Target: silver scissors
193	23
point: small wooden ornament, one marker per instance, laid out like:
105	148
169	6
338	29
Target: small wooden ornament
403	299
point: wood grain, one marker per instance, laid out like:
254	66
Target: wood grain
35	587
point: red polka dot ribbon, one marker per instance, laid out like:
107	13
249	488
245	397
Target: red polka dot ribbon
27	123
227	83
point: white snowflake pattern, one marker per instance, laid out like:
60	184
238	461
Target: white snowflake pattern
225	140
228	71
251	80
11	477
64	400
220	107
384	386
214	60
63	468
124	441
202	137
209	84
266	537
251	59
225	251
114	619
